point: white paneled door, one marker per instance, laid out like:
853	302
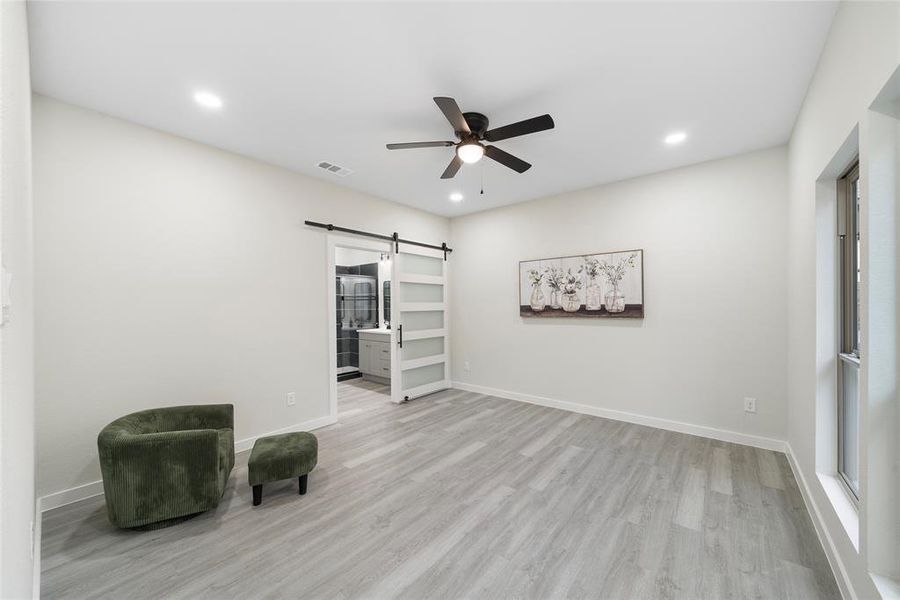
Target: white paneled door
419	319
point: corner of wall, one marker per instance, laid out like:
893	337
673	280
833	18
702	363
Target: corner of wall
17	448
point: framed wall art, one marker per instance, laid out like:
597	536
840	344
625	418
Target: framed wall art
604	285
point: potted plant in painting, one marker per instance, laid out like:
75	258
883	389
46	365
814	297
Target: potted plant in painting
537	295
554	282
614	273
592	295
570	286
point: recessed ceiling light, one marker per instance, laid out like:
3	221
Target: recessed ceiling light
456	197
676	138
207	100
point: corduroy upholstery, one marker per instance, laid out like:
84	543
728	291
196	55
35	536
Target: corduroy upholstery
282	456
166	463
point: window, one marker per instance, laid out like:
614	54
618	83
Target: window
849	355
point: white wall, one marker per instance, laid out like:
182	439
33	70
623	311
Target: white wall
169	272
862	51
714	269
17	335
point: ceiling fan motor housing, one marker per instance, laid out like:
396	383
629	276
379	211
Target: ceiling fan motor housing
478	124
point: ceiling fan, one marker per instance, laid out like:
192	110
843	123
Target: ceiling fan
472	129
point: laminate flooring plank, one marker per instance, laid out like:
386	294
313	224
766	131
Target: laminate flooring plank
382	450
421	413
720	478
691	502
558	466
542	441
679	577
769	472
448	460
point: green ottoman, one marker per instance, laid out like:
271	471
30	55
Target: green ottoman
281	456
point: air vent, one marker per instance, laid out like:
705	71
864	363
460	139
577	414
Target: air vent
334	169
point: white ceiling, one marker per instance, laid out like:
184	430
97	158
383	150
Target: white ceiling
306	82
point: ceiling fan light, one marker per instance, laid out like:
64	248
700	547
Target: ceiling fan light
470	153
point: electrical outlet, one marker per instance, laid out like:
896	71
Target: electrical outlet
291	398
466	366
749	405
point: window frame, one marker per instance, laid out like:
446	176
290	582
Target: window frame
849	267
848	222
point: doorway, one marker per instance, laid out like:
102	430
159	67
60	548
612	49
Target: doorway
360	337
358	307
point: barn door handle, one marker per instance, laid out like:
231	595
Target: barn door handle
400	332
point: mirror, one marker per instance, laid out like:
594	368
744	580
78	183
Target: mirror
387	304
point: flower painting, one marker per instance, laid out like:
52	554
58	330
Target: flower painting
609	285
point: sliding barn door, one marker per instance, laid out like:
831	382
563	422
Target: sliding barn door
420	363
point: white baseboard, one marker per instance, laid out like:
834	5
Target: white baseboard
618	415
70	495
247	444
95	488
825	539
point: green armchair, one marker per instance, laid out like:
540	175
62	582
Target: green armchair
166	463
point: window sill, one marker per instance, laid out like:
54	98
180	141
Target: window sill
843	506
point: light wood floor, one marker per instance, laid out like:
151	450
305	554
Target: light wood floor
460	495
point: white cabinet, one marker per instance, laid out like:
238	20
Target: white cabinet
364	353
375	353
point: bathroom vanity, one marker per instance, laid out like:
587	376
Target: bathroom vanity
375	354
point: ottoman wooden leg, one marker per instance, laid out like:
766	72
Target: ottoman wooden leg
303	479
257	494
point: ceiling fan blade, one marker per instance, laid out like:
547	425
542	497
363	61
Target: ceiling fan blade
408	145
525	127
452	168
451	110
506	159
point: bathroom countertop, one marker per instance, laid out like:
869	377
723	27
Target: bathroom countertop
378	330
